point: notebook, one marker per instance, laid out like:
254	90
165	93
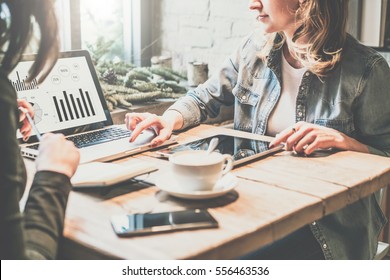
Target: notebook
106	174
70	101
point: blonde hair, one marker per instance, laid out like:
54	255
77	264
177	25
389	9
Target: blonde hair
322	25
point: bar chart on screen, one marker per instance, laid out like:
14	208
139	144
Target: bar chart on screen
22	84
71	107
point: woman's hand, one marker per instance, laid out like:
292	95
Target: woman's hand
162	125
25	128
305	138
57	154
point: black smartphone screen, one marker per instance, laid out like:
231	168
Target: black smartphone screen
136	224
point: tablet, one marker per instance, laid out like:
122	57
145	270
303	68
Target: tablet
241	149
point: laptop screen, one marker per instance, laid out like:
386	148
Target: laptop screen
70	100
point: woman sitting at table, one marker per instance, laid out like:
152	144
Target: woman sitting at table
313	86
35	233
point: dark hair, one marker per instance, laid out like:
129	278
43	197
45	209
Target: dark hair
16	31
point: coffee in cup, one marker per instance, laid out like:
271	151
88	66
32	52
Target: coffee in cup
197	170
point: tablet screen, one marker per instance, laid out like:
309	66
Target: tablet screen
241	149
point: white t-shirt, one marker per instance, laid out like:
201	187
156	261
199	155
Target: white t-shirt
283	114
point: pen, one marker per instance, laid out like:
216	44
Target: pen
31	121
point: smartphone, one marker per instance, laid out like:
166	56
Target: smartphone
140	224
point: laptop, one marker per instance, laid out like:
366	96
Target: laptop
70	101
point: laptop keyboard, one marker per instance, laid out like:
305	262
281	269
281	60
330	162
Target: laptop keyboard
95	137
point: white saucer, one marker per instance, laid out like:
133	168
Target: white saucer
224	185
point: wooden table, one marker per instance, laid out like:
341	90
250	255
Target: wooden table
275	196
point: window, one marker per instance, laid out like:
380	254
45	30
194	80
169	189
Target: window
102	26
118	26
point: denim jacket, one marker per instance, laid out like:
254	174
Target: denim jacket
354	98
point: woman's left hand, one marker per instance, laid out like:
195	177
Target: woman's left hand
25	128
305	138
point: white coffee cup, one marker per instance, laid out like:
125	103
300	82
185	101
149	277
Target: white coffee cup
196	170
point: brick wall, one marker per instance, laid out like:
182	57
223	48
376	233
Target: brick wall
201	30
